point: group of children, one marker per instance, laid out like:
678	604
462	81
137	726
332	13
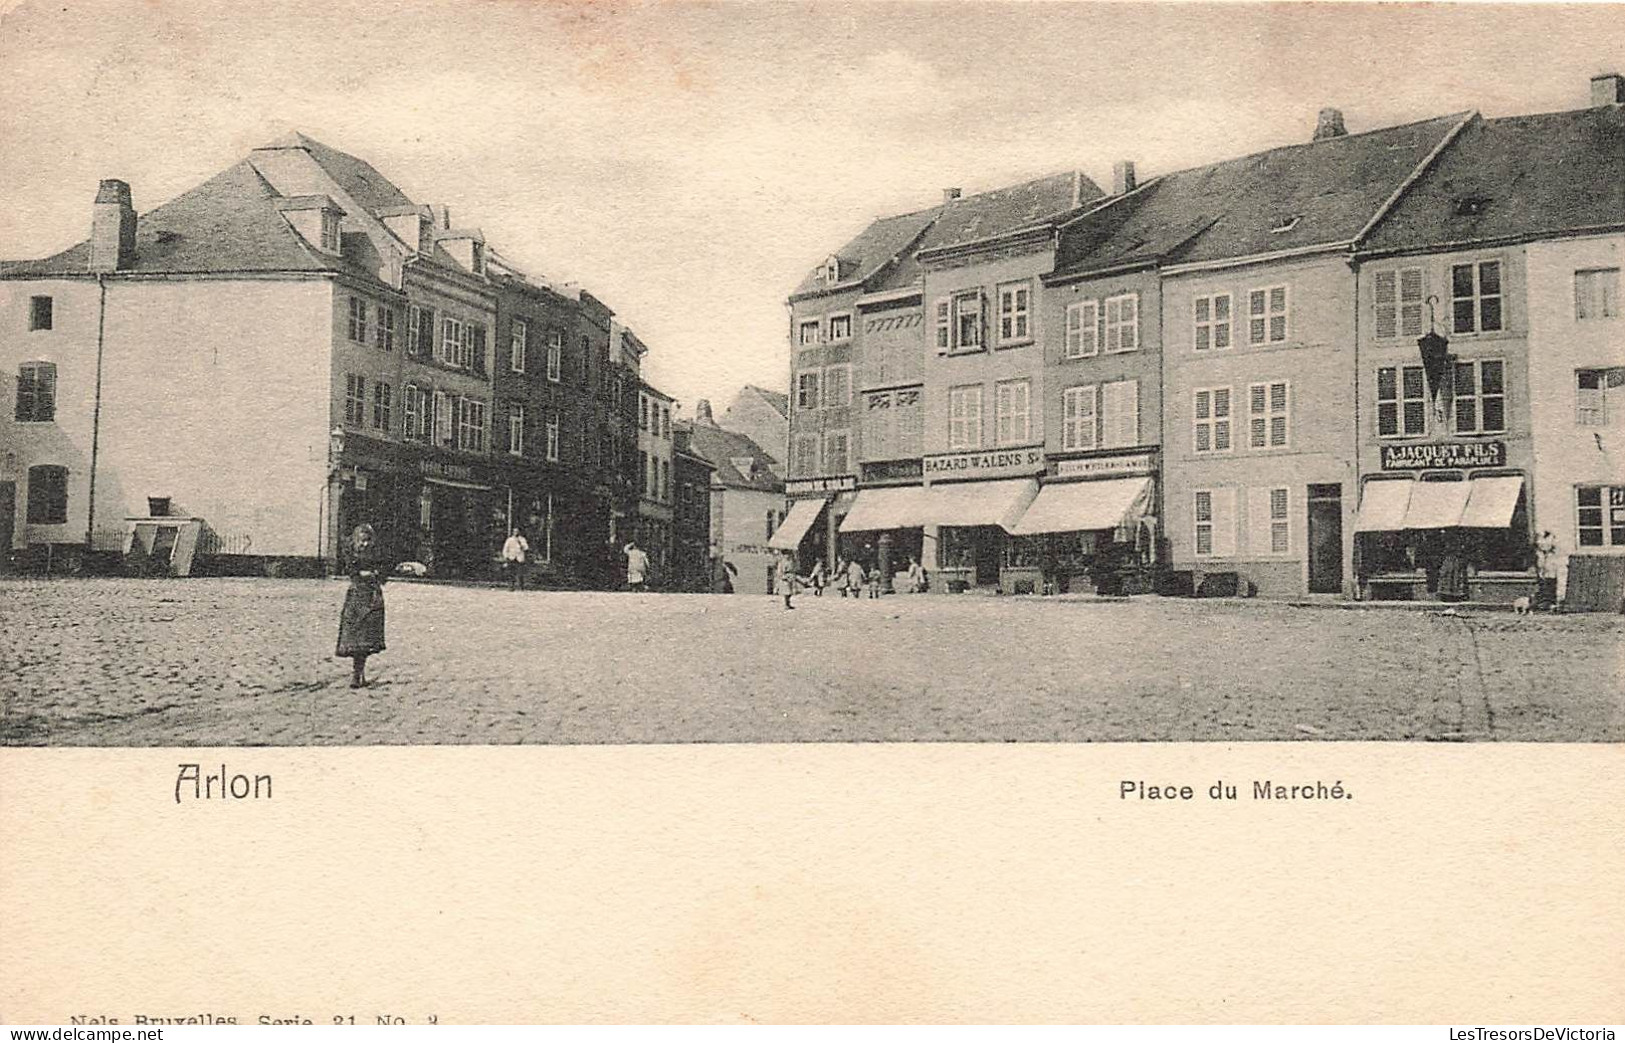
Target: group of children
850	578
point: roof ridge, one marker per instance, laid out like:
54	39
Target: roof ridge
1456	116
1554	112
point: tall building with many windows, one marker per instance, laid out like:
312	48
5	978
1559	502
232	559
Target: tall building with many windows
856	410
239	377
1506	255
1344	367
1259	439
656	496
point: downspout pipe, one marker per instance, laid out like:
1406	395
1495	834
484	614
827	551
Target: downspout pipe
96	413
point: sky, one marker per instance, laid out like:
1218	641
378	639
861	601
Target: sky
688	163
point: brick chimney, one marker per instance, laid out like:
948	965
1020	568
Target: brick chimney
1123	177
702	413
442	216
1607	89
1330	125
949	195
112	227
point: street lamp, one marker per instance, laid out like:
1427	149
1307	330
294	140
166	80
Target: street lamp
335	457
335	448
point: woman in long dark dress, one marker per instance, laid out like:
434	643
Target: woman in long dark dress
361	621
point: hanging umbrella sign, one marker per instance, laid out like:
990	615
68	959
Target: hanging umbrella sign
1435	361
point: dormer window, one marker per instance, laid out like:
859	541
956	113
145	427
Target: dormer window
832	271
330	231
1285	224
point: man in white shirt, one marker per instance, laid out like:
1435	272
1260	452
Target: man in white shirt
637	566
513	559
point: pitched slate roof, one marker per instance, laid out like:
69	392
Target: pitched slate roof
227	224
356	176
1004	210
1297	196
777	399
873	249
720	446
1515	177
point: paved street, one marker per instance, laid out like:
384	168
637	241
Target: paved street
205	662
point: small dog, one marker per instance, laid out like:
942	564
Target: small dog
1522	606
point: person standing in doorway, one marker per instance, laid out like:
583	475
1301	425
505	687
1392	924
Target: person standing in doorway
514	552
637	567
361	620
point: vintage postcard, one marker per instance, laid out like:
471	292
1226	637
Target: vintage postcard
818	512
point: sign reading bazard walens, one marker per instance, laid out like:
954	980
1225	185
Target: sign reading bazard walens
990	464
1445	454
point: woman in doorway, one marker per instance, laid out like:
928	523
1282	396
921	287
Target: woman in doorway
361	621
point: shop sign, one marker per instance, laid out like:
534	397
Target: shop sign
992	463
1442	455
892	471
820	486
1108	466
439	469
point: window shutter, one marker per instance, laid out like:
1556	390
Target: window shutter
1128	416
944	328
1411	296
1224	522
1258	522
25	396
981	297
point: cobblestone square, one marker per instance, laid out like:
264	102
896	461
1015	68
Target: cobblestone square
249	662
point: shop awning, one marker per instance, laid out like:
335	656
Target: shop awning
802	514
1491	502
1383	506
1436	505
981	503
903	507
1080	506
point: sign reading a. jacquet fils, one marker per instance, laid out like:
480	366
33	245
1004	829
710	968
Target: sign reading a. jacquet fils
992	463
815	486
1443	454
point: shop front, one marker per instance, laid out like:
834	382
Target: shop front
975	501
450	516
1090	527
810	529
883	528
1445	522
975	521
